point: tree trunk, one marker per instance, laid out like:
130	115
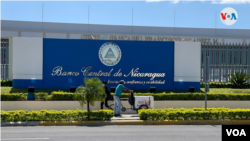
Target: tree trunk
88	109
88	106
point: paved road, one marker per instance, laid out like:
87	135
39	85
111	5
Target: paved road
113	133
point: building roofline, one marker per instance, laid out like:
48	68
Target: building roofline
125	25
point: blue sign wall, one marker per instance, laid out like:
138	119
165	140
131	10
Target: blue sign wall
141	64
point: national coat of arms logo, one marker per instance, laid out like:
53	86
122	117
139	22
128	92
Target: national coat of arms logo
110	54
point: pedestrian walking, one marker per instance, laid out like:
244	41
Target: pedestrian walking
117	94
107	97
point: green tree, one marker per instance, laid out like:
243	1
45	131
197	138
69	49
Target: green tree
239	79
91	92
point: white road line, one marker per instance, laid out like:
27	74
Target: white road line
26	139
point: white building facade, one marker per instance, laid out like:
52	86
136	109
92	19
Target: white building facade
229	49
118	32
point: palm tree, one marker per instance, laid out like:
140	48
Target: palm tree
91	92
239	79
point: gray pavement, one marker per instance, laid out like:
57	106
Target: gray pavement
113	133
127	117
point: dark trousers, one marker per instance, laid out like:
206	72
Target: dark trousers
106	103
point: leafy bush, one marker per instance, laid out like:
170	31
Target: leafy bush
6	83
223	85
62	96
13	96
53	115
191	96
41	96
239	79
22	96
157	96
193	114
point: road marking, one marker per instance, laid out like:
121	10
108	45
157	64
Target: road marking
27	139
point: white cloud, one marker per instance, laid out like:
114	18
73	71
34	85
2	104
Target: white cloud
174	1
154	0
187	1
230	1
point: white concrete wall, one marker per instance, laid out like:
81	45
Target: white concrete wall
56	35
32	34
75	36
228	41
27	57
187	61
6	34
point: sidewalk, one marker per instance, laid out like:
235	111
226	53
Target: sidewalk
127	117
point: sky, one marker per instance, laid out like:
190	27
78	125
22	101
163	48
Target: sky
171	13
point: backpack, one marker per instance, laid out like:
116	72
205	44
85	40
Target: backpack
131	99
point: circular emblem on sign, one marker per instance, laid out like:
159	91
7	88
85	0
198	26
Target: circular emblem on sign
110	54
228	16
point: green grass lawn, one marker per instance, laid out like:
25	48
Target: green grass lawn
202	90
227	90
214	90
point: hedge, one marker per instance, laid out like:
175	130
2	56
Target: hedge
41	96
192	96
53	115
157	96
193	114
165	96
22	96
38	96
13	96
222	85
6	83
62	96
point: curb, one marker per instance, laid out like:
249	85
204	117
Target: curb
29	123
127	122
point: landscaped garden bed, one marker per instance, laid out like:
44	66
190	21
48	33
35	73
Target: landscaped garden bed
194	114
54	115
223	85
61	96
